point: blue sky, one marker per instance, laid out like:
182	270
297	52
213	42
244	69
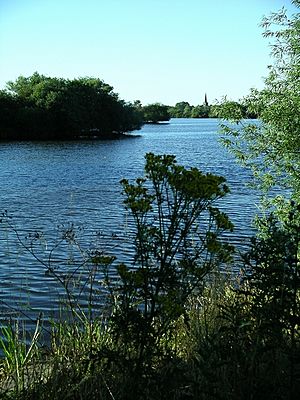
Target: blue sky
151	50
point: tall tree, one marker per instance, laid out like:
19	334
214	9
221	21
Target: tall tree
180	109
271	148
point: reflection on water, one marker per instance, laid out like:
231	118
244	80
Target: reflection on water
46	185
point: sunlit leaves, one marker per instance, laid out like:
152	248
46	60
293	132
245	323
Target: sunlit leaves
271	147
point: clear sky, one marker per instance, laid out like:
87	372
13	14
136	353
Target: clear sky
152	50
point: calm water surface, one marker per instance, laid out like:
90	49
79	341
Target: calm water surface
44	185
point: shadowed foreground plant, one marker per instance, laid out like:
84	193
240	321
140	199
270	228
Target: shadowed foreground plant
177	230
254	350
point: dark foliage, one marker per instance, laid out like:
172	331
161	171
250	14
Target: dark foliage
154	113
44	108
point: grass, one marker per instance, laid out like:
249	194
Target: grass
214	351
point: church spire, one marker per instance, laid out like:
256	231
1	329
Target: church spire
205	100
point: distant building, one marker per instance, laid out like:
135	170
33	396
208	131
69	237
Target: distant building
205	100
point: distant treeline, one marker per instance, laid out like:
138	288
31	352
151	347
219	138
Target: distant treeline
184	110
157	112
45	108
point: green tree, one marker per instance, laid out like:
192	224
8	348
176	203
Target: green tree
259	335
183	109
180	109
271	148
266	315
187	111
53	108
9	107
155	113
200	111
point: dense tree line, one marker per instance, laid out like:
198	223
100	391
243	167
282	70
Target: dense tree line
157	112
40	107
43	108
184	109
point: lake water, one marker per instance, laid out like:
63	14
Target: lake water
46	185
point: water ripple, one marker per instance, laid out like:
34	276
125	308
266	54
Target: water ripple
46	185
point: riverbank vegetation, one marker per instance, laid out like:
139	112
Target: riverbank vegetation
190	318
184	109
44	108
271	149
154	113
